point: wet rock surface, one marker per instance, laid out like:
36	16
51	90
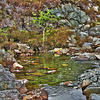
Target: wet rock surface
94	97
63	93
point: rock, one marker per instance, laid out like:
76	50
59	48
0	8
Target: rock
96	8
85	83
11	94
56	55
52	71
23	47
22	55
86	57
8	59
17	52
91	90
65	83
64	51
44	94
97	50
71	45
57	49
83	34
95	31
85	27
96	41
64	22
94	97
82	58
74	23
74	49
15	71
23	89
98	56
87	45
16	65
29	97
72	16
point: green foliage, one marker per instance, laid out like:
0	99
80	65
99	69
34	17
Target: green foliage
3	35
44	20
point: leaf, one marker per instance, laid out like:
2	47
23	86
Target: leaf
27	23
47	33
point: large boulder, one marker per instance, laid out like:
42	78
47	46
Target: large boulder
94	97
90	90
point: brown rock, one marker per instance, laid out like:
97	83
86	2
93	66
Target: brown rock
22	55
66	83
91	90
22	89
17	66
85	83
44	94
98	56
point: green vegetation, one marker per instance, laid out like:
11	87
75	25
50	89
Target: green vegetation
44	20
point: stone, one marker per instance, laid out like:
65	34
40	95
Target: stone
52	71
23	89
68	8
16	65
87	45
97	50
96	41
82	58
94	97
85	27
71	45
83	34
98	57
17	51
12	94
88	91
74	23
85	83
72	15
57	49
44	94
95	31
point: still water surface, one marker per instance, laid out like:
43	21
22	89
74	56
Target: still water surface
49	69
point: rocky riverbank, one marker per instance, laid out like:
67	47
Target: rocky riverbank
77	30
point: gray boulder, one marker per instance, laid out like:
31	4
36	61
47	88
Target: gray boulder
94	97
